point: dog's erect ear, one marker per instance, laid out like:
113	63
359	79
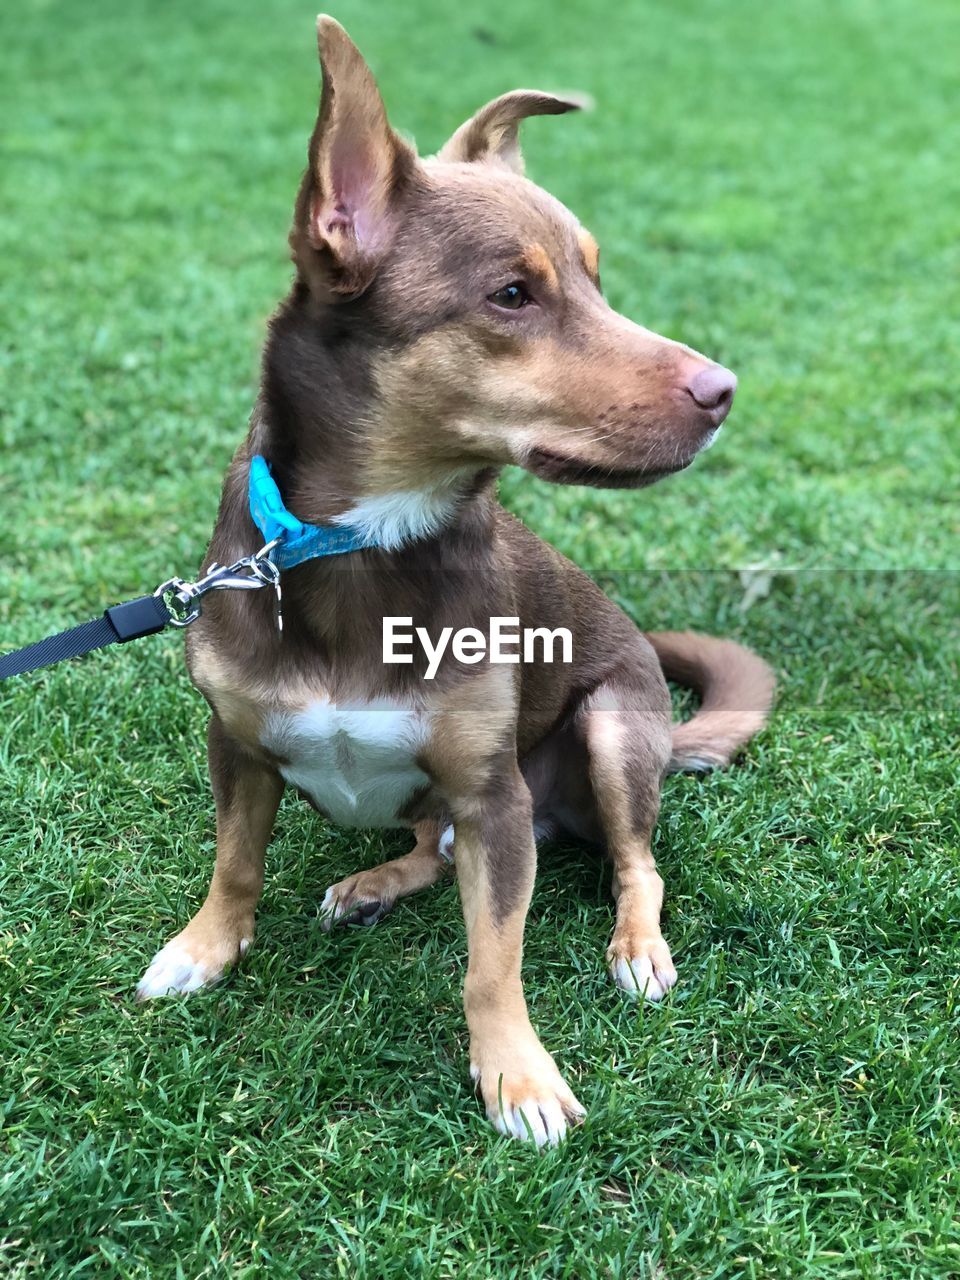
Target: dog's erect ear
356	166
492	134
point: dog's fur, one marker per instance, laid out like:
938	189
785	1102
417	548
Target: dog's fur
397	380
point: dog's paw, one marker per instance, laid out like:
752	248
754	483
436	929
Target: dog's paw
645	968
360	899
525	1095
186	964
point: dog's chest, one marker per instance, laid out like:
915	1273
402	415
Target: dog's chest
357	762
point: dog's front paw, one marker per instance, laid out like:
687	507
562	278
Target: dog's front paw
524	1094
195	958
643	967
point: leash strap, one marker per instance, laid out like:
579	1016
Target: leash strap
288	542
144	616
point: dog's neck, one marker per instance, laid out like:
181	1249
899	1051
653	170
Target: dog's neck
319	417
404	516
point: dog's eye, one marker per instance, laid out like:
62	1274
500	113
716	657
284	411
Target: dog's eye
512	296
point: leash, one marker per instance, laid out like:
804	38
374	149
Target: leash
177	603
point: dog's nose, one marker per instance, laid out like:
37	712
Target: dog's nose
712	388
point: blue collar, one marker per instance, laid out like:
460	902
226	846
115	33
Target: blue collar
298	541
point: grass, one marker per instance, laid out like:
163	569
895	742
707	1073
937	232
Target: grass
777	187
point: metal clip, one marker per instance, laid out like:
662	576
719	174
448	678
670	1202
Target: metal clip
249	573
269	575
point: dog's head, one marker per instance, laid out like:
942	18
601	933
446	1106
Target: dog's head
478	295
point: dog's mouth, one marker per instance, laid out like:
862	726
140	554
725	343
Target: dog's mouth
561	469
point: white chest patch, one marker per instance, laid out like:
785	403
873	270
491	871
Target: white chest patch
357	762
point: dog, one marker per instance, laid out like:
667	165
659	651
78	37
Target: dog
445	320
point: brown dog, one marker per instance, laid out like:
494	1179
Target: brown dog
446	319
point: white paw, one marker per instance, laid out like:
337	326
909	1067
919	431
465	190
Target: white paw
544	1117
339	905
540	1120
331	909
173	971
650	974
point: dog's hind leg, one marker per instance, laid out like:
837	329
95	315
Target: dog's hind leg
367	896
247	794
627	733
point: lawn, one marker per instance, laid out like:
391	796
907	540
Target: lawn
777	186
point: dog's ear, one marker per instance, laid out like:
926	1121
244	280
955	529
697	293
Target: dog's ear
492	134
357	165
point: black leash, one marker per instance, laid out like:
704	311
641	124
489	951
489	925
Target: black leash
174	604
287	542
129	621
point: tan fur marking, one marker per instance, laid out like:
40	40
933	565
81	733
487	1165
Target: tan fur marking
495	406
606	740
237	706
508	1063
637	886
222	930
536	262
591	253
468	728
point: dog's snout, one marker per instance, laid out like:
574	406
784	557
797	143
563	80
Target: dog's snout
712	389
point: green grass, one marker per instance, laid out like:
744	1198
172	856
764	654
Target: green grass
777	186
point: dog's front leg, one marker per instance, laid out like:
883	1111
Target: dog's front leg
523	1091
247	794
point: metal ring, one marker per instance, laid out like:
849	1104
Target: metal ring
266	571
176	606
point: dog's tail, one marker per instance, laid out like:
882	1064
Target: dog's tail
736	692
